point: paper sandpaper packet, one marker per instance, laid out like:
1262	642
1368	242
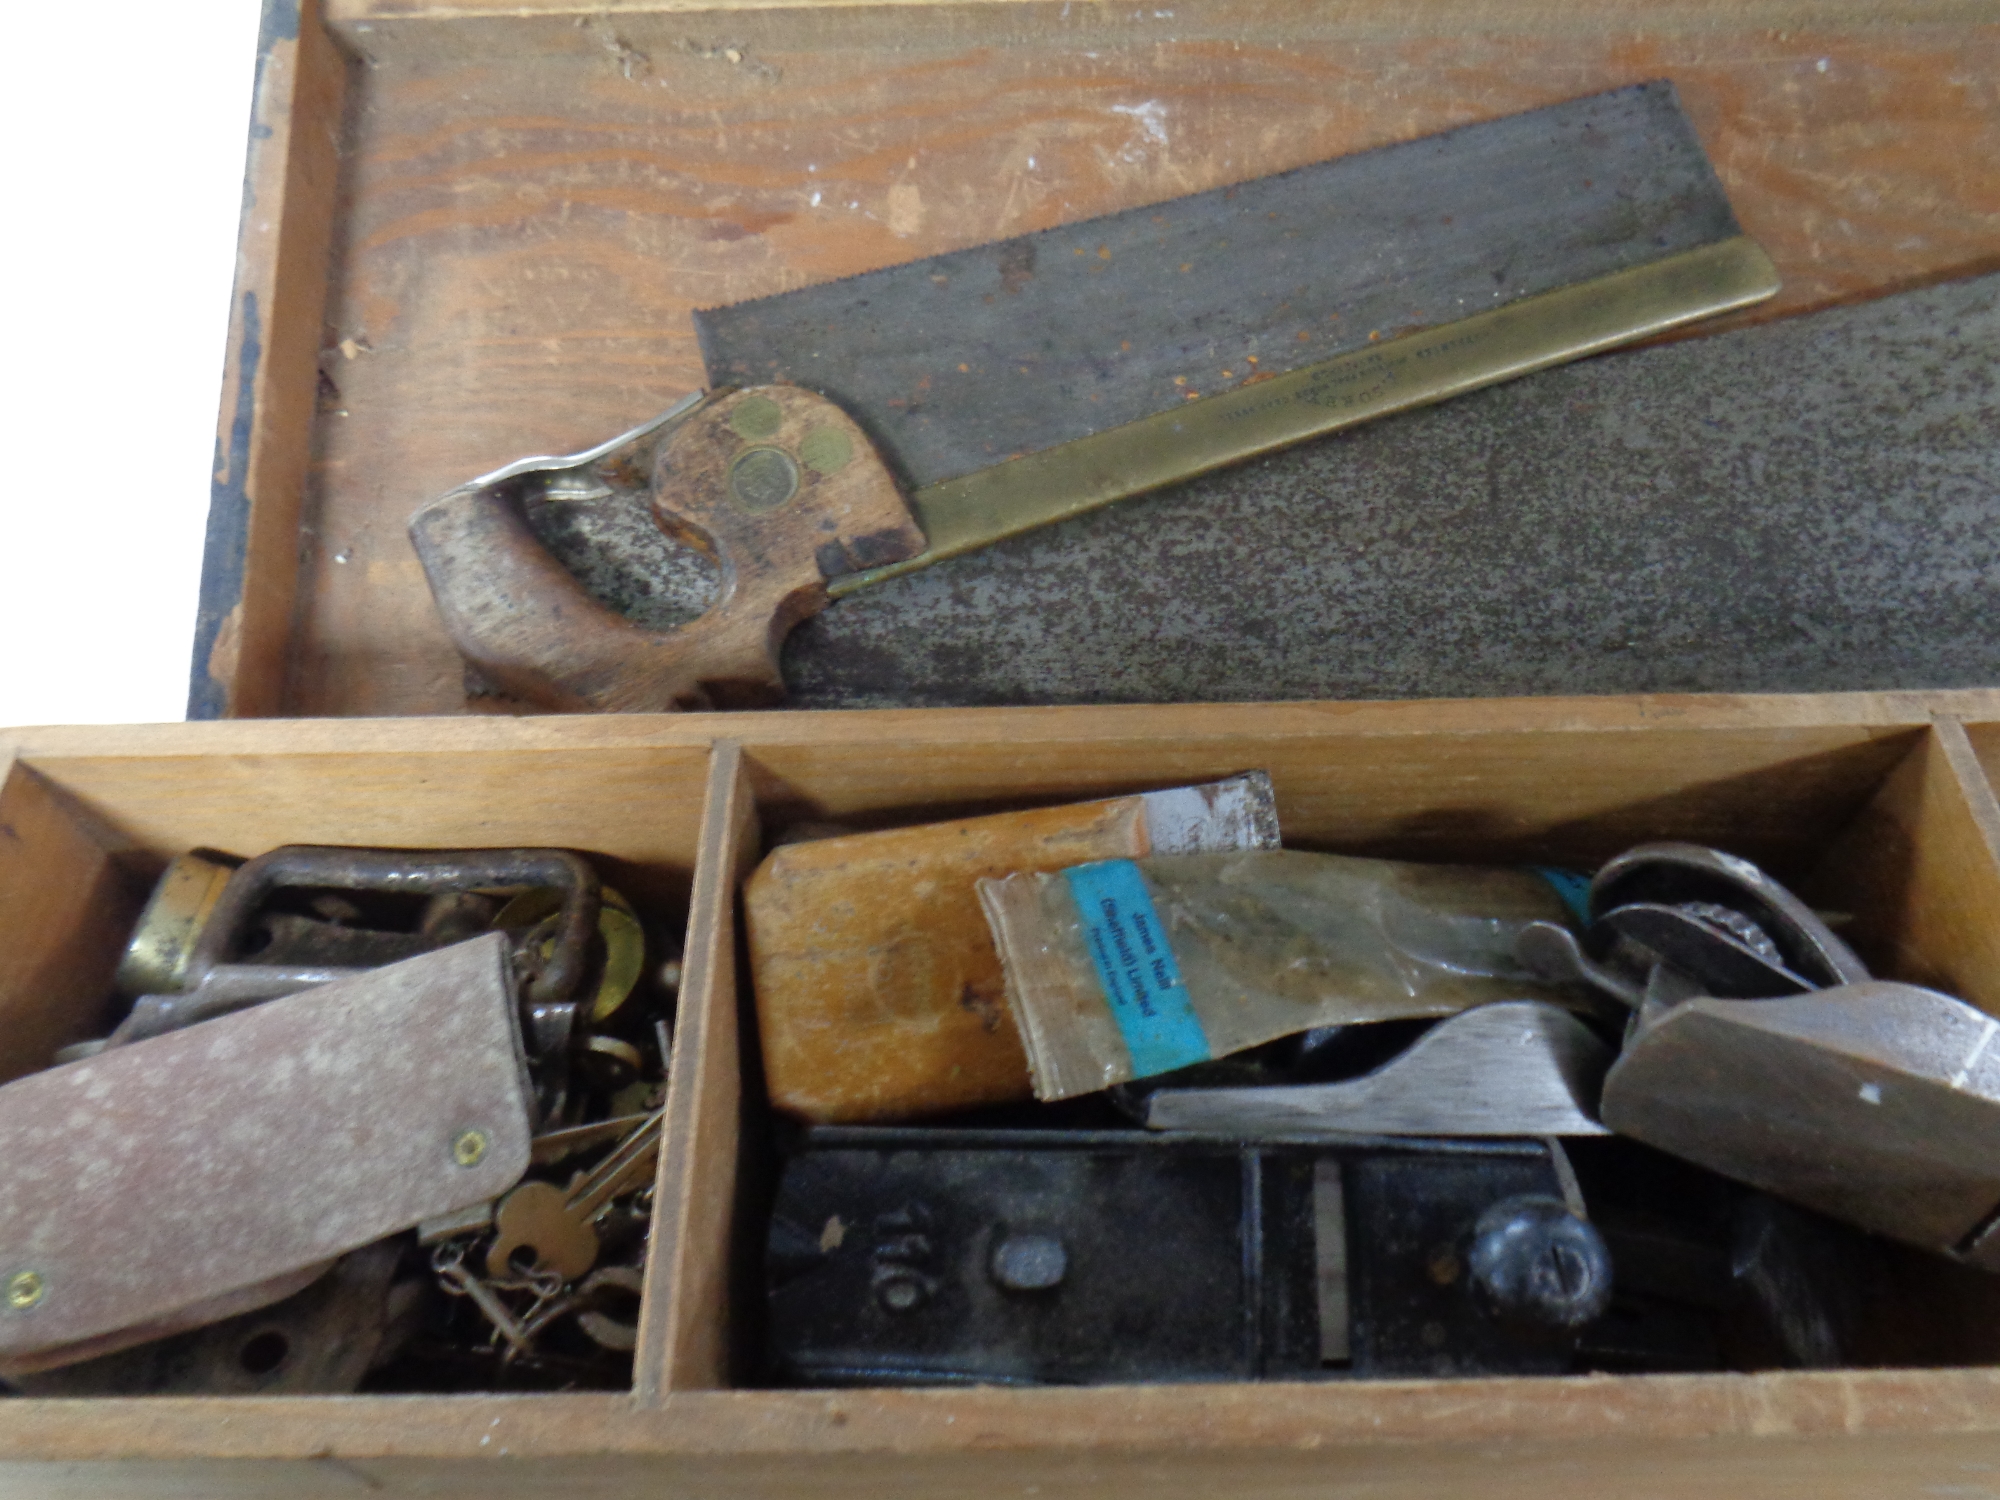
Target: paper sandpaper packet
1126	968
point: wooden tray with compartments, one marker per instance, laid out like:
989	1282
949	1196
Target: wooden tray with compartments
476	230
1881	803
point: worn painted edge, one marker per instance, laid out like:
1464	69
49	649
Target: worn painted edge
284	230
218	609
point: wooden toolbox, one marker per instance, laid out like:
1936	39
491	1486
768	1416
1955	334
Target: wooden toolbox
474	231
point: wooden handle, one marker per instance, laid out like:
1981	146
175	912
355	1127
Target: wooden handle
777	483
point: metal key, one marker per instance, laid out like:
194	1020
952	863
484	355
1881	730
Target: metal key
555	1145
557	1225
448	1262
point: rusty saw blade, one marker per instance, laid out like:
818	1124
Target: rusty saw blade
1021	382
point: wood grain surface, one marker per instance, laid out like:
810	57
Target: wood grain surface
684	1340
263	444
1863	712
69	909
1919	871
533	205
1985	742
418	797
1830	1436
879	993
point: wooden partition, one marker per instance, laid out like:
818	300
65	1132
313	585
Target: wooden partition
1877	800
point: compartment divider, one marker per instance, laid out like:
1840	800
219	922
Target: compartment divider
684	1322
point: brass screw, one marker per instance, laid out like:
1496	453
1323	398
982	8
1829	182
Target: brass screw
469	1148
25	1290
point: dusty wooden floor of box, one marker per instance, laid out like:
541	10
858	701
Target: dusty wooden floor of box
477	231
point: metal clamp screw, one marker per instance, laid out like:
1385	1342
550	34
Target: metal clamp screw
1029	1262
25	1290
469	1148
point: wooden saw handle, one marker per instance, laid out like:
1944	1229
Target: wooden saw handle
776	482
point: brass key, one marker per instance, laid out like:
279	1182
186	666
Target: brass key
546	1150
557	1225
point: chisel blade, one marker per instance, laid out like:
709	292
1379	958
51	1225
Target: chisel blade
1021	382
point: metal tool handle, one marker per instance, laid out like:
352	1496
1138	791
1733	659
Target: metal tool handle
777	483
420	872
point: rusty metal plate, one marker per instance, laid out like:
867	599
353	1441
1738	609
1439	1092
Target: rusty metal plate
150	1182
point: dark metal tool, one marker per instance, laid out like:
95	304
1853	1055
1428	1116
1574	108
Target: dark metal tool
918	1256
1015	384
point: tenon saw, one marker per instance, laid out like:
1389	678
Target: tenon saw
856	430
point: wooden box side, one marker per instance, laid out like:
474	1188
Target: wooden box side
638	808
270	388
67	904
1838	1438
1580	791
1918	872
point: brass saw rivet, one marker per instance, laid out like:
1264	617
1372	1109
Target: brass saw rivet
826	450
757	417
763	479
25	1290
469	1148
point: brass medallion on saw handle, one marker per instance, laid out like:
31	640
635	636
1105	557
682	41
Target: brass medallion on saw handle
777	483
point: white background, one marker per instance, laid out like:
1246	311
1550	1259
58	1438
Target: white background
125	123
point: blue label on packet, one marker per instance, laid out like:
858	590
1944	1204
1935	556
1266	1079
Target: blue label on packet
1571	886
1136	968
